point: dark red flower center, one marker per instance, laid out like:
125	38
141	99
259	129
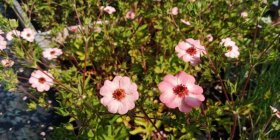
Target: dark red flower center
52	52
42	80
28	35
119	94
181	90
191	51
229	48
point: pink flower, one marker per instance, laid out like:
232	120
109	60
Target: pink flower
275	111
174	11
1	32
14	33
180	91
232	49
233	52
190	50
119	95
42	81
73	28
209	37
3	43
7	63
185	22
277	114
227	42
130	15
51	53
28	34
244	14
108	9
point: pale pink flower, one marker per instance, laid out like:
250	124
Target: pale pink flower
227	42
1	32
232	49
108	9
7	63
130	15
244	14
190	50
3	43
185	22
28	34
174	11
233	52
180	91
119	95
275	111
209	37
51	53
14	33
41	80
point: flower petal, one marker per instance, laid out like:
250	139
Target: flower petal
185	108
129	103
167	97
116	80
125	82
108	88
165	87
185	78
171	80
194	89
175	102
106	100
123	109
192	101
113	106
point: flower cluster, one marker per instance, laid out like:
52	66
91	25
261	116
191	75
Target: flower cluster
179	91
27	34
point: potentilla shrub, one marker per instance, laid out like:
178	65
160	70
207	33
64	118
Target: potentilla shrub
149	69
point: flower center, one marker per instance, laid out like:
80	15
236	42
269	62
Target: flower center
191	51
181	90
42	80
52	52
28	35
229	48
119	94
73	30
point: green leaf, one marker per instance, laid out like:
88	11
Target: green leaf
90	134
